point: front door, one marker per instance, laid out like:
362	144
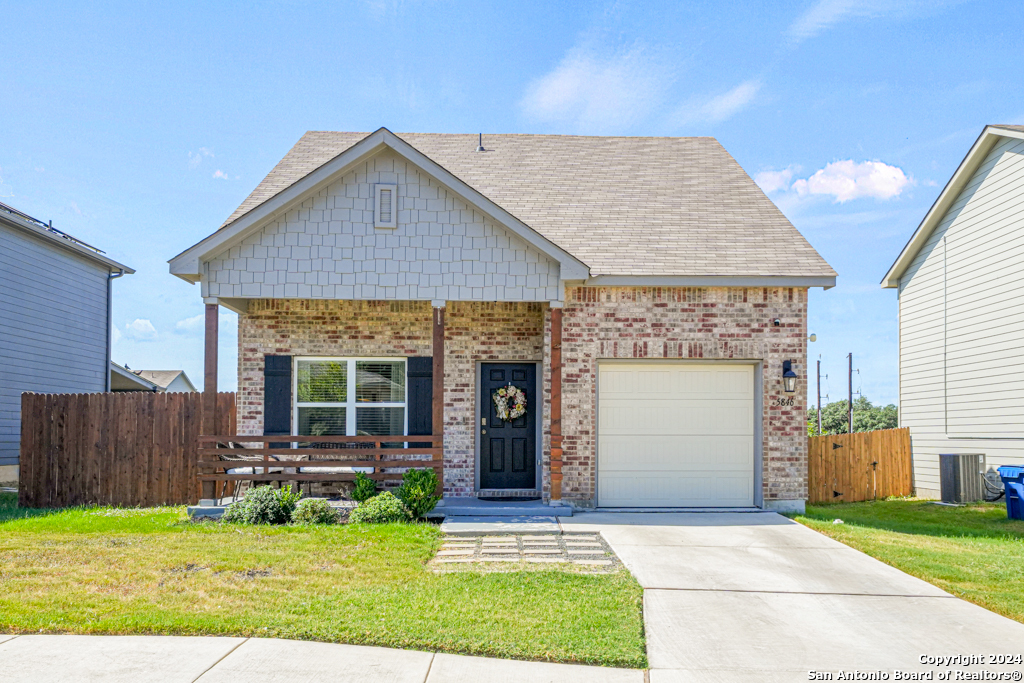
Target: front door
508	449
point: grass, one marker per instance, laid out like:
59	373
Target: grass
150	571
973	552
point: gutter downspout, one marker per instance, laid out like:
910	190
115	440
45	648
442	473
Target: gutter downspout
110	329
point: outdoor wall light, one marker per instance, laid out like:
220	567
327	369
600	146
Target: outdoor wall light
788	377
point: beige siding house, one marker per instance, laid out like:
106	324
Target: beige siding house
961	318
642	293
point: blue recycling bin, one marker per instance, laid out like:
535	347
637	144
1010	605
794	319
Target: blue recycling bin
1013	480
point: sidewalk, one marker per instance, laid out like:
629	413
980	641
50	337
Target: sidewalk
180	659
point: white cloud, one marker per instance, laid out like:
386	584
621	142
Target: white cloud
719	107
846	180
195	159
115	334
825	14
594	90
773	181
221	174
140	329
193	324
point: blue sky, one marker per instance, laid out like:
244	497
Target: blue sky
139	128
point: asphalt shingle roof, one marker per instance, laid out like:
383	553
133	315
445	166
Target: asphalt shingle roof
622	205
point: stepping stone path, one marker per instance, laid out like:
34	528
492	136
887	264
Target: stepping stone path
586	552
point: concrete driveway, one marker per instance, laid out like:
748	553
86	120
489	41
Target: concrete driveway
756	596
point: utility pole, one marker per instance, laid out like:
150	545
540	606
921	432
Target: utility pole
819	397
849	405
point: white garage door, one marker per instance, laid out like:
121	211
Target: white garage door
675	435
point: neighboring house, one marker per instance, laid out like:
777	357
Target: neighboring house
55	294
643	292
961	317
123	378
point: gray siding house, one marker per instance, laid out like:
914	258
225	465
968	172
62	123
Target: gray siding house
54	320
961	316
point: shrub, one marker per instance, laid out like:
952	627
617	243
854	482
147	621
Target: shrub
314	511
417	491
380	509
365	488
263	505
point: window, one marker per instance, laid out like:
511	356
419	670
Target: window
385	206
349	396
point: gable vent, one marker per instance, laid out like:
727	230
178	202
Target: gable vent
384	210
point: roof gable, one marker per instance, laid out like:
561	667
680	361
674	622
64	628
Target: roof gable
988	139
187	264
442	248
622	205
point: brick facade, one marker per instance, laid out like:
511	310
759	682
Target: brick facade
685	323
598	322
474	332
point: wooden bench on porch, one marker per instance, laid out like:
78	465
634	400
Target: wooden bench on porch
225	461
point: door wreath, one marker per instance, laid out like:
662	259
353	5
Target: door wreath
510	402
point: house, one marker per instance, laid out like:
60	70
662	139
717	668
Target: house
124	379
55	296
643	294
961	322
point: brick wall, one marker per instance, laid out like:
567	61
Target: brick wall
298	327
605	322
473	332
511	332
687	322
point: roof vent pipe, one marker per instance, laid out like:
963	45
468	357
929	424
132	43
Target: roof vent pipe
480	143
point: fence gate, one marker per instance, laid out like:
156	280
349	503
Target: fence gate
845	468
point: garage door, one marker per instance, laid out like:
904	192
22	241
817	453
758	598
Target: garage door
675	435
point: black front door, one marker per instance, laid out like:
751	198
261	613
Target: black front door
508	450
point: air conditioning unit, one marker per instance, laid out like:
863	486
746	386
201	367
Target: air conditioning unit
962	477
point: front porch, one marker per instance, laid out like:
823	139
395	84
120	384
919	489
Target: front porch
324	373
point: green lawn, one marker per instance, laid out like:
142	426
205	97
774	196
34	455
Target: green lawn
106	570
973	552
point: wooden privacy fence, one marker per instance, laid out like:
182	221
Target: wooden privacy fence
128	449
303	459
844	468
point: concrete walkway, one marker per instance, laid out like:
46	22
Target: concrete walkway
742	597
174	659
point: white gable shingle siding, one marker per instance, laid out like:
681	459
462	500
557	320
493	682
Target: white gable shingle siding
53	334
329	248
962	325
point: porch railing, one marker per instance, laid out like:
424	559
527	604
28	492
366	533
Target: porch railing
225	461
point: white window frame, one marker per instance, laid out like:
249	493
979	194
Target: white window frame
351	404
377	189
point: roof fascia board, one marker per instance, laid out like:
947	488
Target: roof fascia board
826	282
187	264
132	377
50	238
963	174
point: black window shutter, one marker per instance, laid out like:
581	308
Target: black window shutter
277	395
419	376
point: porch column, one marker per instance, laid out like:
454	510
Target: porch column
437	377
210	357
209	426
556	404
